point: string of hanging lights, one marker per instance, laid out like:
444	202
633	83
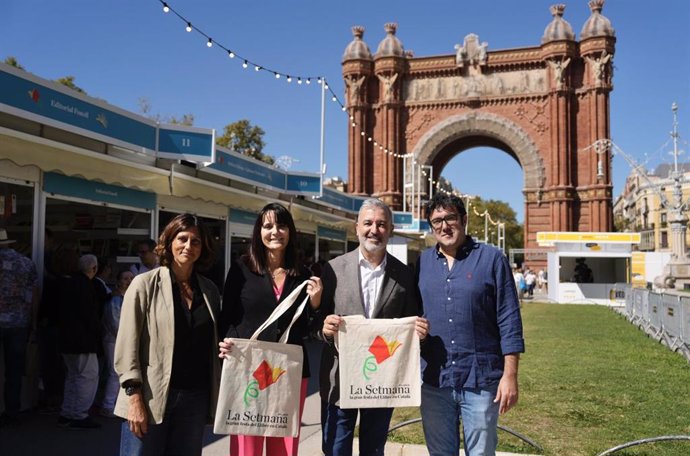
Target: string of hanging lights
486	212
289	77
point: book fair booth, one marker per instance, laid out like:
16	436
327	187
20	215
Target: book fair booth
584	268
80	174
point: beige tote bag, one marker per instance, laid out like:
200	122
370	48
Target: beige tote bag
379	362
260	382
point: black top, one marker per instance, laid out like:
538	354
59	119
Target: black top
78	322
193	329
248	300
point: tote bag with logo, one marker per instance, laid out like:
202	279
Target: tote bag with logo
378	362
261	381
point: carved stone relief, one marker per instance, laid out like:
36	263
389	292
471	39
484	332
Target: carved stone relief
535	114
477	85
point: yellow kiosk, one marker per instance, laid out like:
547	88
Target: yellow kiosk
583	268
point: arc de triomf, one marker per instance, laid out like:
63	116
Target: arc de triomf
542	105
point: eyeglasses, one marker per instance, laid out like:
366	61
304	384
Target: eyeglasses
450	219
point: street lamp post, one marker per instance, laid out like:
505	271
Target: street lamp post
677	270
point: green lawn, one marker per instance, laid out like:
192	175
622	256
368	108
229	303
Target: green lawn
590	381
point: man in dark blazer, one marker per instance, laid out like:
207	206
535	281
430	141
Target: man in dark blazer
368	282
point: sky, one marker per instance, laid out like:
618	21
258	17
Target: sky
122	51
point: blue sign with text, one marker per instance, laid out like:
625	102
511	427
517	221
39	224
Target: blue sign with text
184	143
50	103
96	191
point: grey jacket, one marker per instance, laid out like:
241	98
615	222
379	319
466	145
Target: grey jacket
146	338
342	295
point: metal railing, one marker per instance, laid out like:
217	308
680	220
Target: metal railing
510	431
663	316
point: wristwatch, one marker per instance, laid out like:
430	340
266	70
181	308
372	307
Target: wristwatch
130	389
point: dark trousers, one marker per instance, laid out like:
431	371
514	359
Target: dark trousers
181	432
338	430
13	341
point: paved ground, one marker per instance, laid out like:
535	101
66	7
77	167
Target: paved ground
38	434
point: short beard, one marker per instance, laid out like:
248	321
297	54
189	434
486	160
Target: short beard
373	248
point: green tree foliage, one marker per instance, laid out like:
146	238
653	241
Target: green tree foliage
68	81
499	211
12	61
246	139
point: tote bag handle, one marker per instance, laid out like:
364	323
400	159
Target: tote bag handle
280	309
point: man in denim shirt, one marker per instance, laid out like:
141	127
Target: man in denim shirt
470	357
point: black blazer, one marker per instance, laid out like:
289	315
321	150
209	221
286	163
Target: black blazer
248	300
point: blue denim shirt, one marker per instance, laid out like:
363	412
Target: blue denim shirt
474	313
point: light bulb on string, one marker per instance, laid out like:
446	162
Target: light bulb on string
289	79
231	54
343	108
299	80
189	27
166	8
209	43
245	64
326	87
277	75
308	80
318	81
334	98
257	68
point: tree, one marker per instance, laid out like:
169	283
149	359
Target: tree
12	61
246	139
145	108
68	81
499	211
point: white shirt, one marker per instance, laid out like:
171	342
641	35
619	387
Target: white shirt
371	280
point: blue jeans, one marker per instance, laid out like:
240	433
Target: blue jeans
442	409
181	432
13	342
338	430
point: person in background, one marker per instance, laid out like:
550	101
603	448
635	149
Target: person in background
147	257
369	282
520	284
470	359
256	283
65	266
530	281
541	281
111	323
18	308
165	351
100	282
79	340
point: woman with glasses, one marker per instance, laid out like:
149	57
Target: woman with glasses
255	284
165	353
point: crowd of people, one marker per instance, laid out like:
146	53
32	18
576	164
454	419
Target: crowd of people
526	282
148	348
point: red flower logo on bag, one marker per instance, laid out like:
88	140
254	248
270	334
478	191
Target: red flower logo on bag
381	351
265	376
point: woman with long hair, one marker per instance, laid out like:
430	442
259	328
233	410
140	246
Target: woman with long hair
166	346
255	284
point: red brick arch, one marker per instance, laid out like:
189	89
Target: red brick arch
542	105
